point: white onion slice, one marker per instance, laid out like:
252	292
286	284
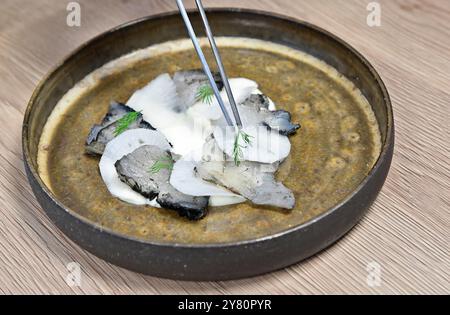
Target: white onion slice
242	88
160	93
184	180
220	201
266	146
157	101
117	148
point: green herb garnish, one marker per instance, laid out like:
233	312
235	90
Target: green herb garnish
125	122
205	94
164	162
238	155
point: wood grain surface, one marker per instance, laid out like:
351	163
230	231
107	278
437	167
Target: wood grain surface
406	231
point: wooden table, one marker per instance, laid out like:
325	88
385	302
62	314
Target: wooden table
406	232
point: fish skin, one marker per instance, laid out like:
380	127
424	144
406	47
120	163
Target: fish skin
101	134
258	101
252	180
134	170
130	168
193	210
280	120
189	82
256	111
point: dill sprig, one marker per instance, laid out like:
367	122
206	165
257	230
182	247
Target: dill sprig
205	94
125	122
164	162
238	154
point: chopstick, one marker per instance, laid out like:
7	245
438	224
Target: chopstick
205	65
219	62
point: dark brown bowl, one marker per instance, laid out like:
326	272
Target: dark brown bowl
215	261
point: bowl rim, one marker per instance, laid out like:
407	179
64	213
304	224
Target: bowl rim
386	144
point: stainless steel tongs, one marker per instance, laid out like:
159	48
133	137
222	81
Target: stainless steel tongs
205	65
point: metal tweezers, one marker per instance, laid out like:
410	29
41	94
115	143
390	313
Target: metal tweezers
205	65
